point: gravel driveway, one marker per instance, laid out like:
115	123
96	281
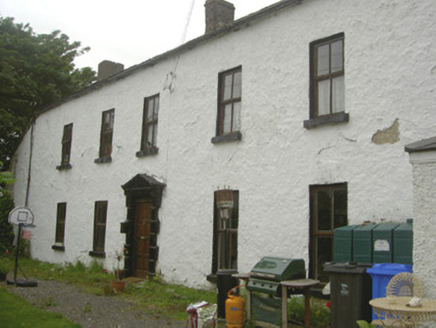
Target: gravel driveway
90	311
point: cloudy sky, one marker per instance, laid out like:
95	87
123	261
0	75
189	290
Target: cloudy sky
124	31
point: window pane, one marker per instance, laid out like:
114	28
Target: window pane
337	56
156	106
324	211
324	97
227	120
340	208
237	85
236	116
150	109
68	130
323	254
222	250
338	94
233	251
323	60
150	136
155	135
228	87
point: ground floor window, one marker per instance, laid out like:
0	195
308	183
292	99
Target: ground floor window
328	211
225	230
100	214
60	226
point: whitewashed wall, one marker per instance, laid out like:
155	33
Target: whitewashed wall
390	73
424	241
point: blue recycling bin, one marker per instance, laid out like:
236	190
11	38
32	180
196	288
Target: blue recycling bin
381	274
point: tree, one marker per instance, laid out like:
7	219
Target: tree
35	71
6	205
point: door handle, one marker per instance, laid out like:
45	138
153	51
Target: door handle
142	238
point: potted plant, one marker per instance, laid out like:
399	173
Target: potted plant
118	284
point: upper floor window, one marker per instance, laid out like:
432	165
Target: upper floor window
327	88
229	106
107	128
66	147
100	214
149	126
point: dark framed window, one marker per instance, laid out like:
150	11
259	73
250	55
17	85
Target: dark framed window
100	214
328	211
327	76
107	128
149	126
229	105
67	138
60	226
225	235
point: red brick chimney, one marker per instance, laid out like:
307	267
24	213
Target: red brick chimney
107	68
219	13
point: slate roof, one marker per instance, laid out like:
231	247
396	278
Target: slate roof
422	145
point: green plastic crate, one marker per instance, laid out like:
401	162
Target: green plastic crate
383	242
403	243
362	243
343	244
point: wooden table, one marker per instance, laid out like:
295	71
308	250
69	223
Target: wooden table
395	310
300	286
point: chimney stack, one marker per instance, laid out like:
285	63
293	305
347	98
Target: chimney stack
107	68
219	13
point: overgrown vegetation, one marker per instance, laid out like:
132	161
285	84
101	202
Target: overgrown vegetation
16	312
320	315
154	297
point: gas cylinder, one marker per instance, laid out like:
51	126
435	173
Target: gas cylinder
235	310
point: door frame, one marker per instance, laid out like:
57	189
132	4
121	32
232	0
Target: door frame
141	186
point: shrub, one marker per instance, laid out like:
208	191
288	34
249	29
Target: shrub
6	229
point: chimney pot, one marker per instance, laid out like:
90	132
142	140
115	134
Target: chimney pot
108	68
219	13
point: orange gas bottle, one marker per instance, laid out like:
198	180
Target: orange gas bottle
235	310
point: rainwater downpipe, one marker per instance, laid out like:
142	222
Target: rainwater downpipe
29	168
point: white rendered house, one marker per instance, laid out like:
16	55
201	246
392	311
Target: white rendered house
302	110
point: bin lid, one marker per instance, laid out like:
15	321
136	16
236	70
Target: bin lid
389	269
346	267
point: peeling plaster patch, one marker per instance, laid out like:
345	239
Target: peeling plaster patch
390	135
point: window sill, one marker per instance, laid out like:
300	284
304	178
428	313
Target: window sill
97	254
211	278
58	248
147	152
64	167
103	160
327	119
233	136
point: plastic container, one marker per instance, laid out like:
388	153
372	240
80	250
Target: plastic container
343	244
383	238
403	243
350	293
381	274
362	243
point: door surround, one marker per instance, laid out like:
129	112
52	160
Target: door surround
141	186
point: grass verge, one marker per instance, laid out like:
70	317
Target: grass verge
16	312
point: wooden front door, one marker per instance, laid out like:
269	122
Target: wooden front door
142	234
